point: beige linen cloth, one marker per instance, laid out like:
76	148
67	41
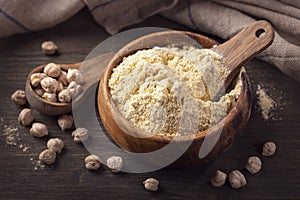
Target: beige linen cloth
222	18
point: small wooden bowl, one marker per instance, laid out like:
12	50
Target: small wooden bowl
42	105
90	70
117	126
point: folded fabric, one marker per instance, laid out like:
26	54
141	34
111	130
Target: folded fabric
117	14
223	18
17	16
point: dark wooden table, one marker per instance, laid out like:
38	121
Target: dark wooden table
68	179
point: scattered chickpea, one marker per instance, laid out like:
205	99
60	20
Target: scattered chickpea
115	163
151	184
92	162
269	149
80	79
237	179
253	164
25	117
49	84
71	75
52	70
55	144
218	179
49	47
74	88
35	79
65	122
74	75
52	97
39	130
19	97
48	156
64	96
80	135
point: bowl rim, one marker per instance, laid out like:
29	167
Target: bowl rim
164	138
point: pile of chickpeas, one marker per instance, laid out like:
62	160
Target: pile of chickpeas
57	85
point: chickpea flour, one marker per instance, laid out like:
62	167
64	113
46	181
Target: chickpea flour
168	91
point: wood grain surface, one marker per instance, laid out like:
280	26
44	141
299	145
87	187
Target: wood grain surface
68	179
244	46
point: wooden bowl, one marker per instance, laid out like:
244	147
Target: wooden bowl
88	68
42	105
118	127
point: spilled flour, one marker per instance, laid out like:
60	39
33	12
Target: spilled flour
265	102
12	138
